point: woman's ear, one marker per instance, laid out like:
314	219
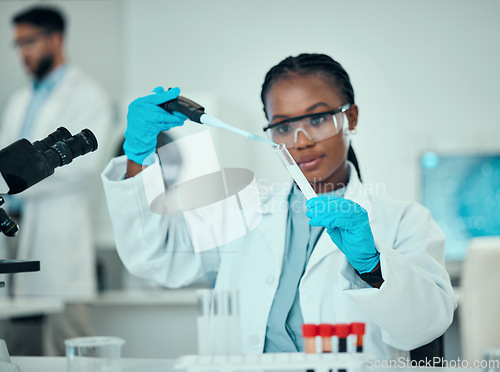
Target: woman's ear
352	116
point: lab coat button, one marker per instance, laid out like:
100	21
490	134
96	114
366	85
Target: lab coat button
254	340
270	279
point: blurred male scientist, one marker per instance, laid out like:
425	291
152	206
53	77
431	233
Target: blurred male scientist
54	215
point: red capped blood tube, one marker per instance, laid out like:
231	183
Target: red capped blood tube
358	329
325	331
342	331
309	333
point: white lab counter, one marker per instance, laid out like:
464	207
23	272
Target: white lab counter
151	321
29	306
179	297
37	364
58	364
155	323
10	308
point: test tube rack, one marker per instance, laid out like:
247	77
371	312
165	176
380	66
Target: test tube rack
352	362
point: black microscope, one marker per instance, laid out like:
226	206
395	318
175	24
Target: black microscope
23	164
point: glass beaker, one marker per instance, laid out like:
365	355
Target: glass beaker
94	354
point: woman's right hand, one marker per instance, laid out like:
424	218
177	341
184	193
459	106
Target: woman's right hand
145	120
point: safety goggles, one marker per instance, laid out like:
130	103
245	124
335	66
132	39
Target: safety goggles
31	40
316	127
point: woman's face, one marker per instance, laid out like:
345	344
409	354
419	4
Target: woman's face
323	162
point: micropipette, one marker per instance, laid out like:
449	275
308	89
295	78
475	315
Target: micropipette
196	113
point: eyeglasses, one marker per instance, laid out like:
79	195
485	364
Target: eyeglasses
29	41
316	127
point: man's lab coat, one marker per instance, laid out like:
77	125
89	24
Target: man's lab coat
413	306
56	227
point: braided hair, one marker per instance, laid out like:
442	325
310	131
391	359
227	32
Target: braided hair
313	64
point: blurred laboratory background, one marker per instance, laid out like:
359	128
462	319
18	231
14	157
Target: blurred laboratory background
427	83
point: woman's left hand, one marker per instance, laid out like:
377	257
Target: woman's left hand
347	224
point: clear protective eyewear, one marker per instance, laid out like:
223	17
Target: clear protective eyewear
29	41
316	127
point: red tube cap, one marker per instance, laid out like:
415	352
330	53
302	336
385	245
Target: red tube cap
358	329
342	330
309	330
325	330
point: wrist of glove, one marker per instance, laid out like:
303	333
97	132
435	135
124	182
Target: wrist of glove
145	120
347	224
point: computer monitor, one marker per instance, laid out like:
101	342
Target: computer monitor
463	193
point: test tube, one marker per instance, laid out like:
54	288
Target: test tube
309	333
234	323
358	329
326	332
220	323
203	301
342	331
295	171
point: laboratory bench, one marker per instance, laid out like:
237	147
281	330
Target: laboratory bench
161	315
24	307
154	322
137	310
58	364
151	297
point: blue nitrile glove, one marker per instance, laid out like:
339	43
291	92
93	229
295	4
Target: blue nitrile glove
145	120
347	224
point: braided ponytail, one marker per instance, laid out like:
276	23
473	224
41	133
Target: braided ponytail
313	64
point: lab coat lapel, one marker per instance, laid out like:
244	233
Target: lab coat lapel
358	193
325	246
275	212
13	119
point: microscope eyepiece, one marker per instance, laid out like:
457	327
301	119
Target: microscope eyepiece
60	134
63	152
22	164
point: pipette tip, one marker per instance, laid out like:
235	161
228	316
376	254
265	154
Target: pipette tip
262	139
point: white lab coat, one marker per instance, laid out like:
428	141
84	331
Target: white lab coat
413	306
56	226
